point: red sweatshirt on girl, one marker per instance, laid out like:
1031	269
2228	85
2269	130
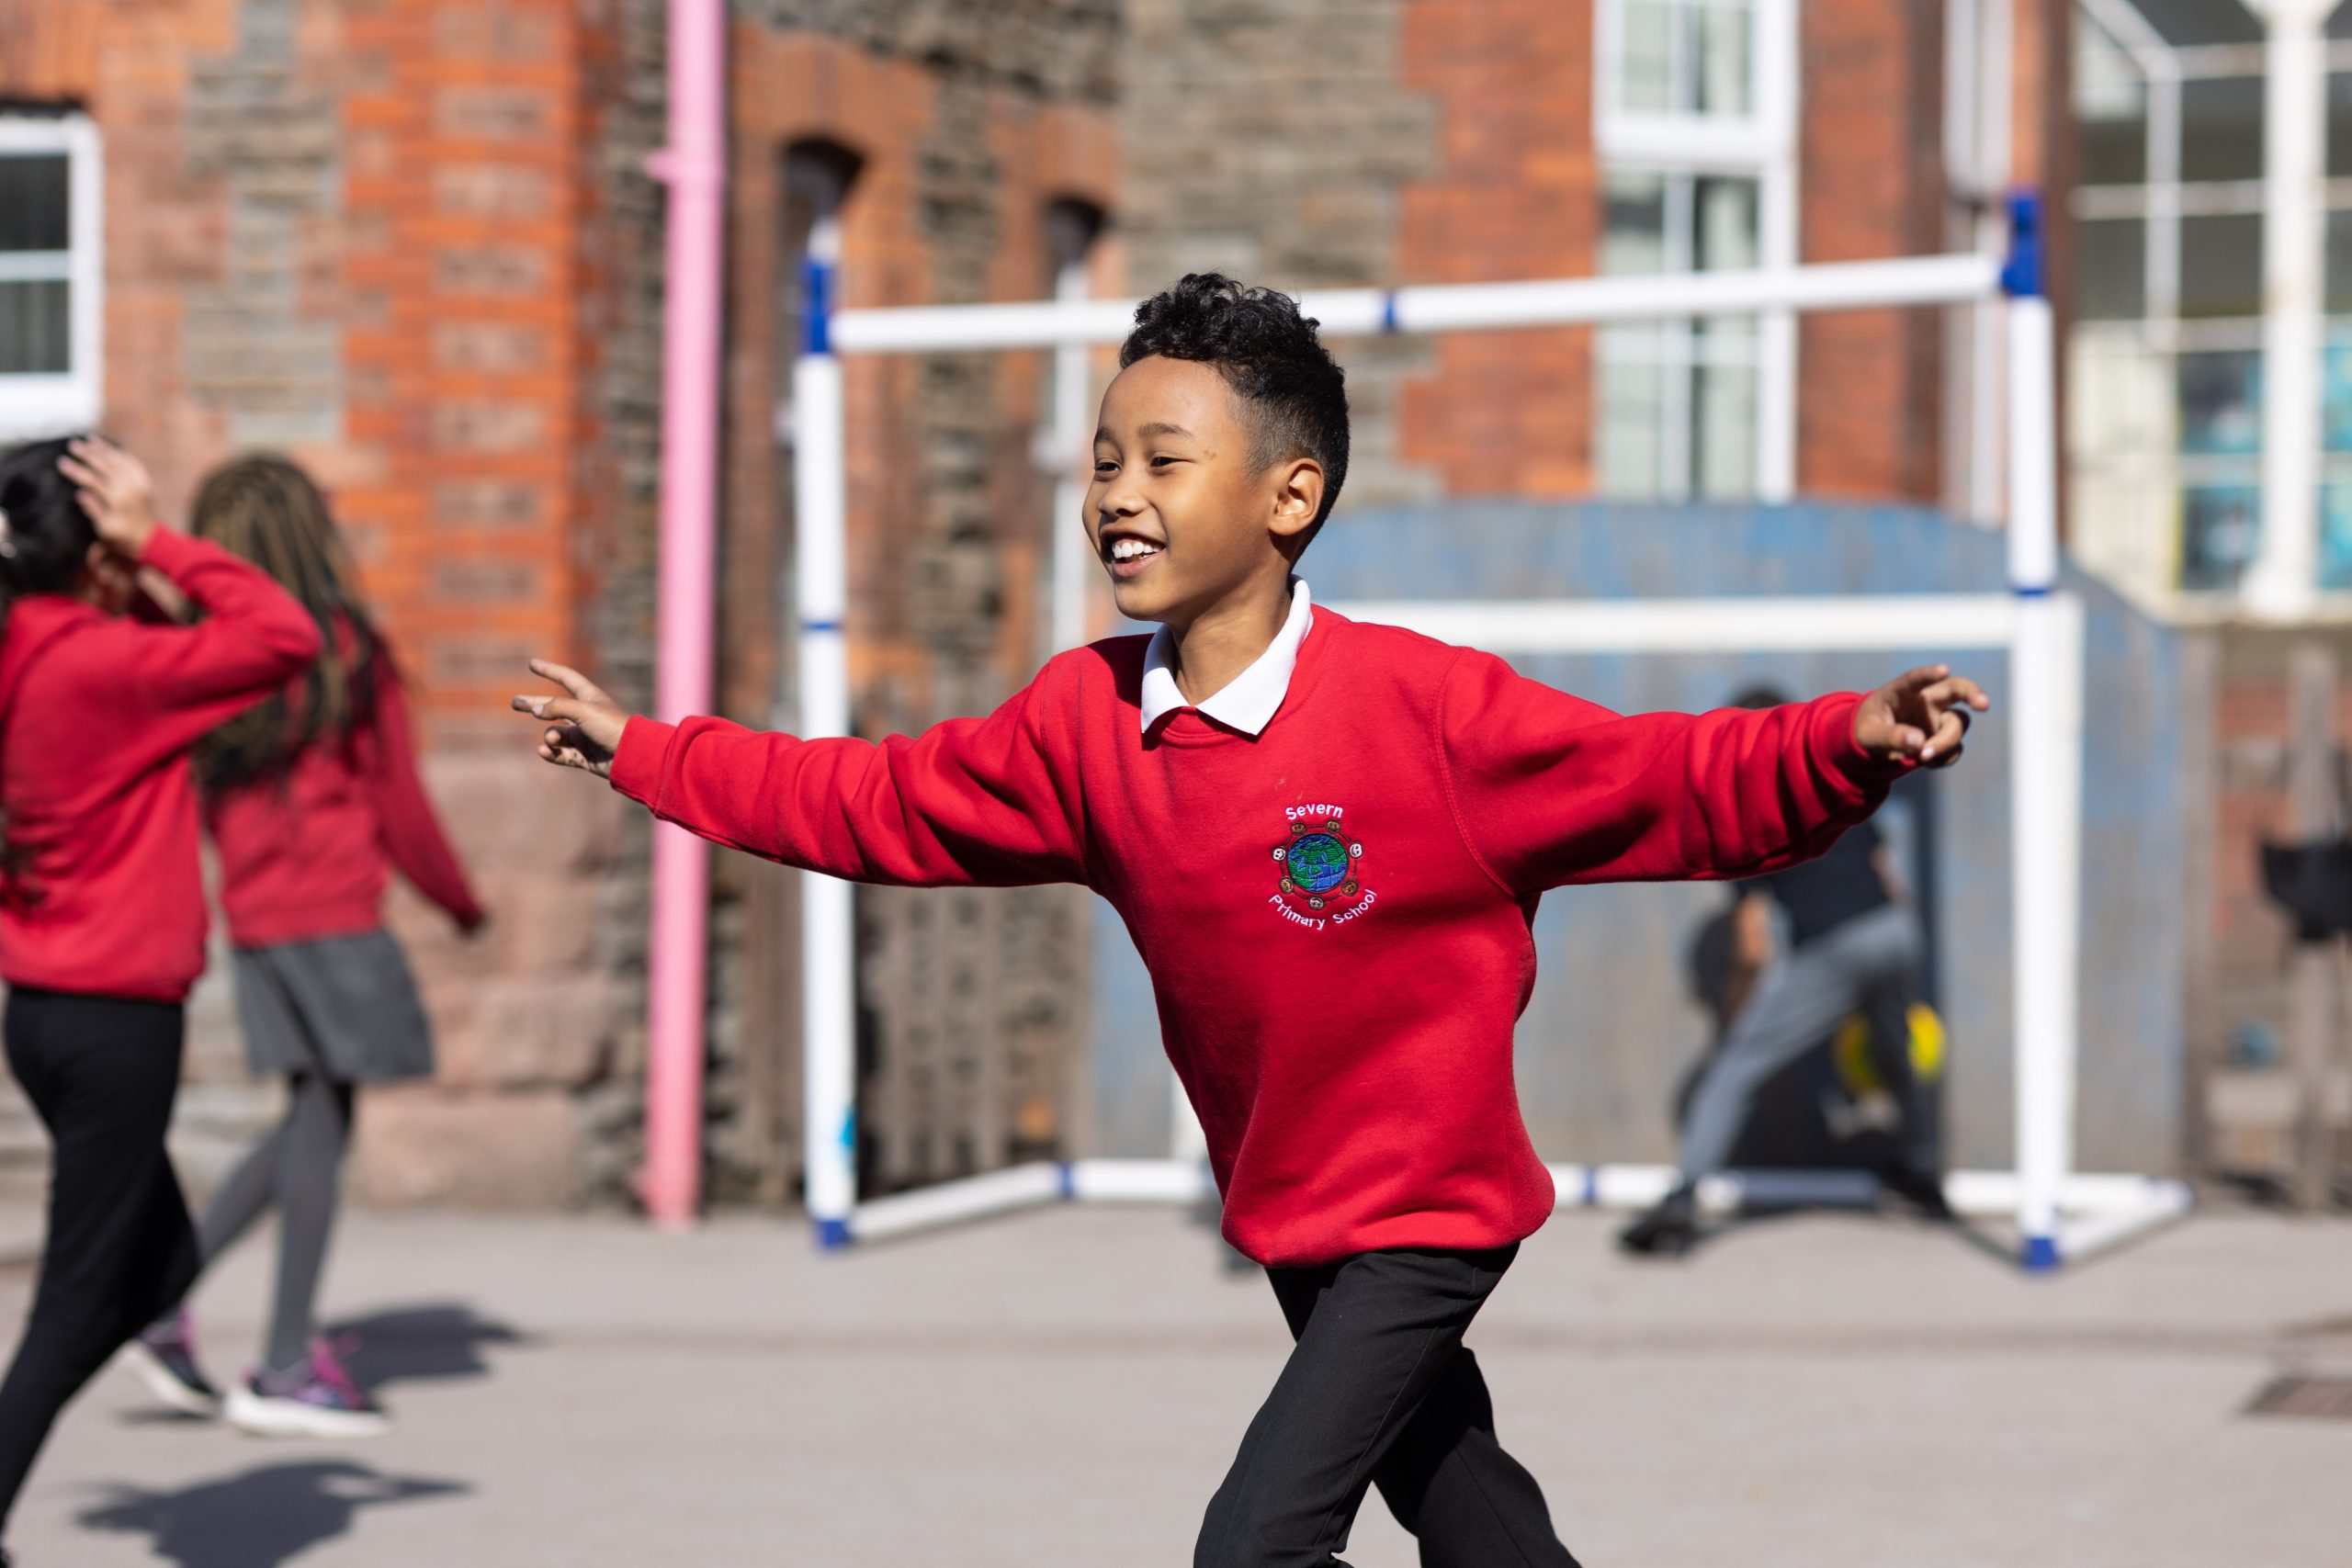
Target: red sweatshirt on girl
101	892
1336	914
306	853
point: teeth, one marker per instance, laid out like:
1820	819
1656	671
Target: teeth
1130	549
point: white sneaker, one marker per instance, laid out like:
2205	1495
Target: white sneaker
318	1401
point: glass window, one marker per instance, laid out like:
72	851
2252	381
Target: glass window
2339	122
50	274
35	226
2200	21
1679	399
2221	264
34	202
35	336
2114	269
2111	110
1633	237
2220	129
2221	403
2220	530
2335	536
1686	57
2336	392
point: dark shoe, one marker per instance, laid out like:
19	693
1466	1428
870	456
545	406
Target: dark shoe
1923	1190
1669	1230
164	1357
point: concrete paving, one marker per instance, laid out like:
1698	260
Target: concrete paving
1065	1388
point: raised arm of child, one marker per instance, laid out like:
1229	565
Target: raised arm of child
178	681
981	802
1550	790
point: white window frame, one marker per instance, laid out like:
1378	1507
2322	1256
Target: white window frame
1759	145
37	406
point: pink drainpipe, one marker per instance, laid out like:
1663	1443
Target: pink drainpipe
694	166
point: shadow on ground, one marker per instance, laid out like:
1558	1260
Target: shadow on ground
420	1344
261	1518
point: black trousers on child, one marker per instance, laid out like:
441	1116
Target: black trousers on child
102	1072
1379	1389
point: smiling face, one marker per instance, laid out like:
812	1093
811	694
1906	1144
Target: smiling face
1182	514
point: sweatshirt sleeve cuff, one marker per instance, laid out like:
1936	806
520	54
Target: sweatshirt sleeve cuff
1863	776
636	762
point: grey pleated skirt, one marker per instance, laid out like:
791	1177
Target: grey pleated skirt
343	1006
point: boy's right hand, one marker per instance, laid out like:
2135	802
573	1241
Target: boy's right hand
586	724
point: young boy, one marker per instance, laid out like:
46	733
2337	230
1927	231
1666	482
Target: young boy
1328	839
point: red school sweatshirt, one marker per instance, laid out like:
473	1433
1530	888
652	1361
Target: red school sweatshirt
1336	914
101	892
306	853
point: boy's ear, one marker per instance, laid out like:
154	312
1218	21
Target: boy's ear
1298	496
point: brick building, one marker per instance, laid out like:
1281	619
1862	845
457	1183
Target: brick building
414	245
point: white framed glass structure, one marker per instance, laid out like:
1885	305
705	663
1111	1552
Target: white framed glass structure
2175	104
1695	120
51	274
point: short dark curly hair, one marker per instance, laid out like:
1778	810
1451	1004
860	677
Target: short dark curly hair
1268	354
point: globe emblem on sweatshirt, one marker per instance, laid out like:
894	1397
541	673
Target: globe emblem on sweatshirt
1319	863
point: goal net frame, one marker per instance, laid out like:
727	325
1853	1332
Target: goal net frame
2060	1213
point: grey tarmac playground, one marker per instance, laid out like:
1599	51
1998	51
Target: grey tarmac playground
1063	1389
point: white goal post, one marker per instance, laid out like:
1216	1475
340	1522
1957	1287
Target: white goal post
2060	1214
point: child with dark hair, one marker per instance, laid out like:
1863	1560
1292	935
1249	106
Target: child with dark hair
101	901
312	796
1328	839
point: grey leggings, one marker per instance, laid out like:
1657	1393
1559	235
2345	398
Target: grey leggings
298	1167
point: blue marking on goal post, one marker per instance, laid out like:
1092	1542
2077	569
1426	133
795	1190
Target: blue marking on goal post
2040	1255
1065	1181
832	1236
816	305
2025	275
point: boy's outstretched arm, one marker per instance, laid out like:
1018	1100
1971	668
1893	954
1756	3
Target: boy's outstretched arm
1551	790
975	801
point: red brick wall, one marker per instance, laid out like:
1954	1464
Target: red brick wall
459	148
1504	413
1871	185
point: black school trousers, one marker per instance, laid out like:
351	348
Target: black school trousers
1379	1390
102	1072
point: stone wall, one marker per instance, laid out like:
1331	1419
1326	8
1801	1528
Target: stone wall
962	127
1277	141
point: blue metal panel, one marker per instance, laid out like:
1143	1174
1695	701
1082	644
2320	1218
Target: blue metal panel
1610	1029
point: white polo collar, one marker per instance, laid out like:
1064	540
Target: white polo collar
1246	703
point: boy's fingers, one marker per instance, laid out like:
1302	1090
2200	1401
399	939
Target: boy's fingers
571	680
1956	691
1912	682
566	711
1944	748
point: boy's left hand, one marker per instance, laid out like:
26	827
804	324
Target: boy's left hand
1921	715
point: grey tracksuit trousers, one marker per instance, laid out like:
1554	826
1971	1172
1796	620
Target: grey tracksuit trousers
1871	961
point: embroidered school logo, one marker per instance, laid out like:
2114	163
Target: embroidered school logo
1321	865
